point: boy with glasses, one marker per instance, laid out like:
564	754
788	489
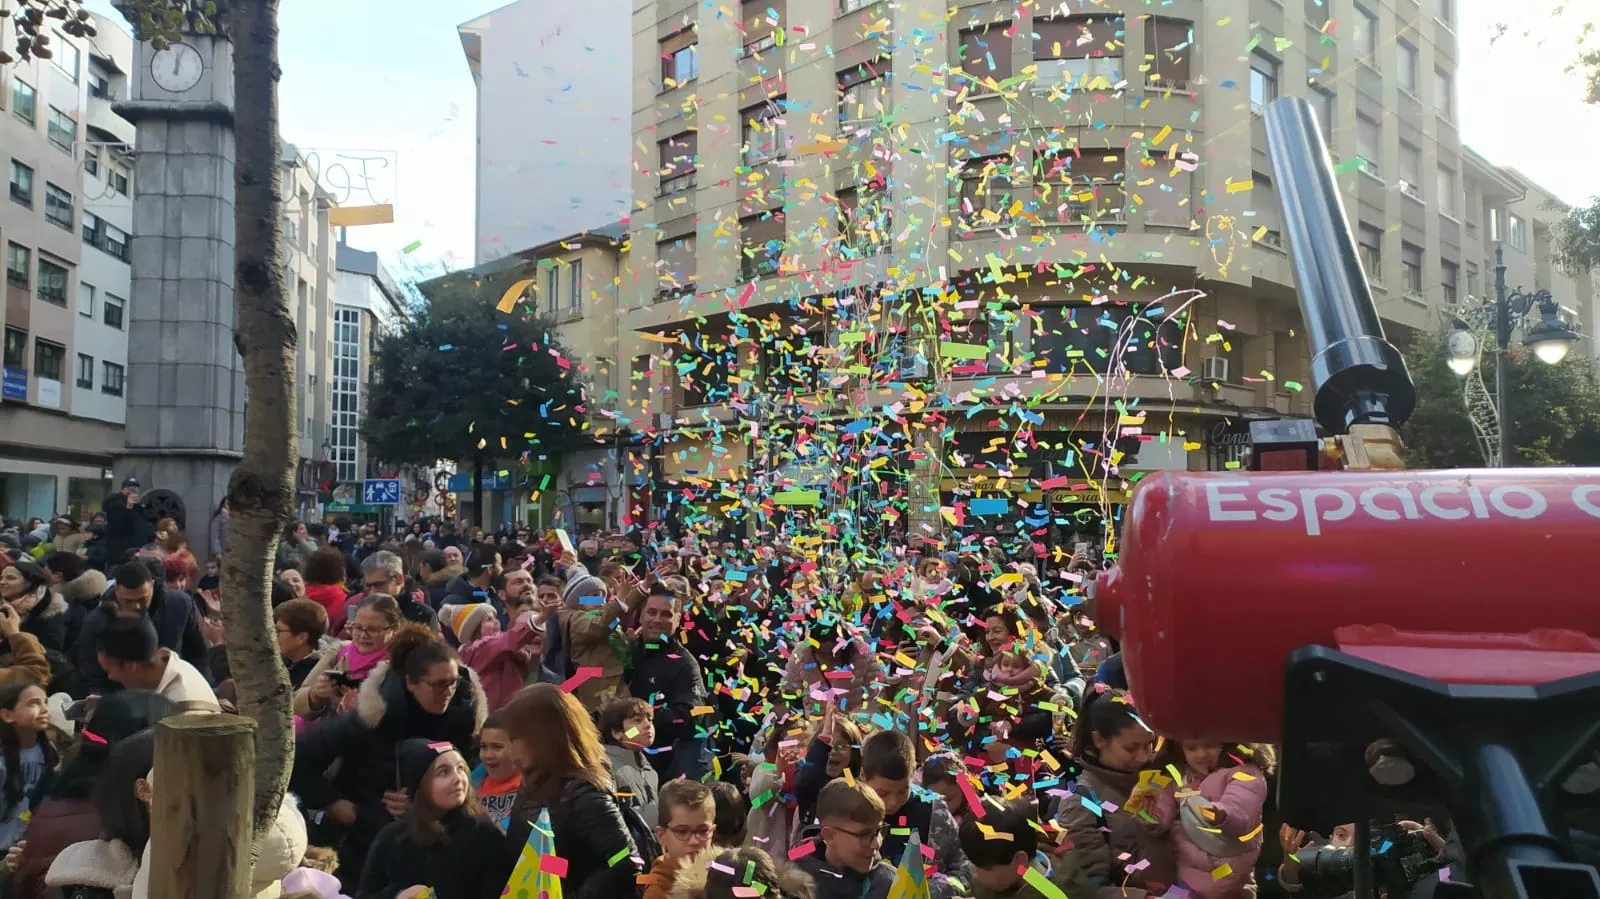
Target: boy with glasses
845	862
688	815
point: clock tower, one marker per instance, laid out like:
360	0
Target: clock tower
185	382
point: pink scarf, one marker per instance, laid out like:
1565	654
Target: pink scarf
358	664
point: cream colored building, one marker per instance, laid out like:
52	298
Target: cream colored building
1506	209
1086	166
64	228
310	278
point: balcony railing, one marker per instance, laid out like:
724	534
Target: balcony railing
990	208
674	184
758	265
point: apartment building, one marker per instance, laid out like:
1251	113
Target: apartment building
1506	210
310	275
573	282
553	154
872	218
65	229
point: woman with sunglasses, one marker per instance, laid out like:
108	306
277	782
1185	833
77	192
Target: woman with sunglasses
345	767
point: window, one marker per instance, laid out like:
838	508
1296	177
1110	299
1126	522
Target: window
1366	36
1447	191
16	347
1368	144
67	57
1408	67
52	282
1411	269
1442	10
1516	232
678	163
1494	225
24	102
761	244
111	311
100	86
86	299
761	25
57	206
91	159
1444	94
552	290
1472	279
1410	171
49	358
1169	44
19	265
1086	186
675	263
762	139
864	93
1079	51
1322	100
85	371
1370	248
680	58
1263	82
22	183
986	195
119	180
575	303
863	219
104	236
1448	272
111	379
985	51
62	130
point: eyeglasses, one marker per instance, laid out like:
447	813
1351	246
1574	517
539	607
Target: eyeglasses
364	631
685	832
865	837
439	686
377	586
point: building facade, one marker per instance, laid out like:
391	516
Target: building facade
65	230
553	154
310	275
1024	246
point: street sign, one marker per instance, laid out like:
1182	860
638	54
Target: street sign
375	492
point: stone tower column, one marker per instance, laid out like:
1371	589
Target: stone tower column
185	390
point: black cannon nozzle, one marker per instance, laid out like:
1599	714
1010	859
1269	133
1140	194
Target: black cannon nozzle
1360	377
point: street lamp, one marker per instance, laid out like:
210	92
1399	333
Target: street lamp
1549	338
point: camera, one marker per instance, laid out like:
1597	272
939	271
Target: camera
1401	859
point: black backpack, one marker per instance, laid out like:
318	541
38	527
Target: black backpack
644	839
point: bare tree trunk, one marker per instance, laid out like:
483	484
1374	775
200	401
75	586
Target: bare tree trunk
261	491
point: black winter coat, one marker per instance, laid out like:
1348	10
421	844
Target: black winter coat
589	832
126	527
47	622
177	625
667	677
352	756
471	862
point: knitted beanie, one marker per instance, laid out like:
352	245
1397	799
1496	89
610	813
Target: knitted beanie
466	620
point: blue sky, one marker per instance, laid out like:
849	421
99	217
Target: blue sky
389	75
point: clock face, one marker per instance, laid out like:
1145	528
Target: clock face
177	68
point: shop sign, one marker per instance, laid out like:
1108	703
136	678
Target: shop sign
1229	433
16	384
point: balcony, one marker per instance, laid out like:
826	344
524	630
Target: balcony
758	265
105	126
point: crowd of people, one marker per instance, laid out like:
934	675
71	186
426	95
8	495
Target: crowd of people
687	717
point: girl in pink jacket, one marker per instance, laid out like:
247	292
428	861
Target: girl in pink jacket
1213	816
501	658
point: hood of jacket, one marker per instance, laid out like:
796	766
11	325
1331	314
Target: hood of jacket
106	864
384	703
1107	784
793	883
54	605
86	588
